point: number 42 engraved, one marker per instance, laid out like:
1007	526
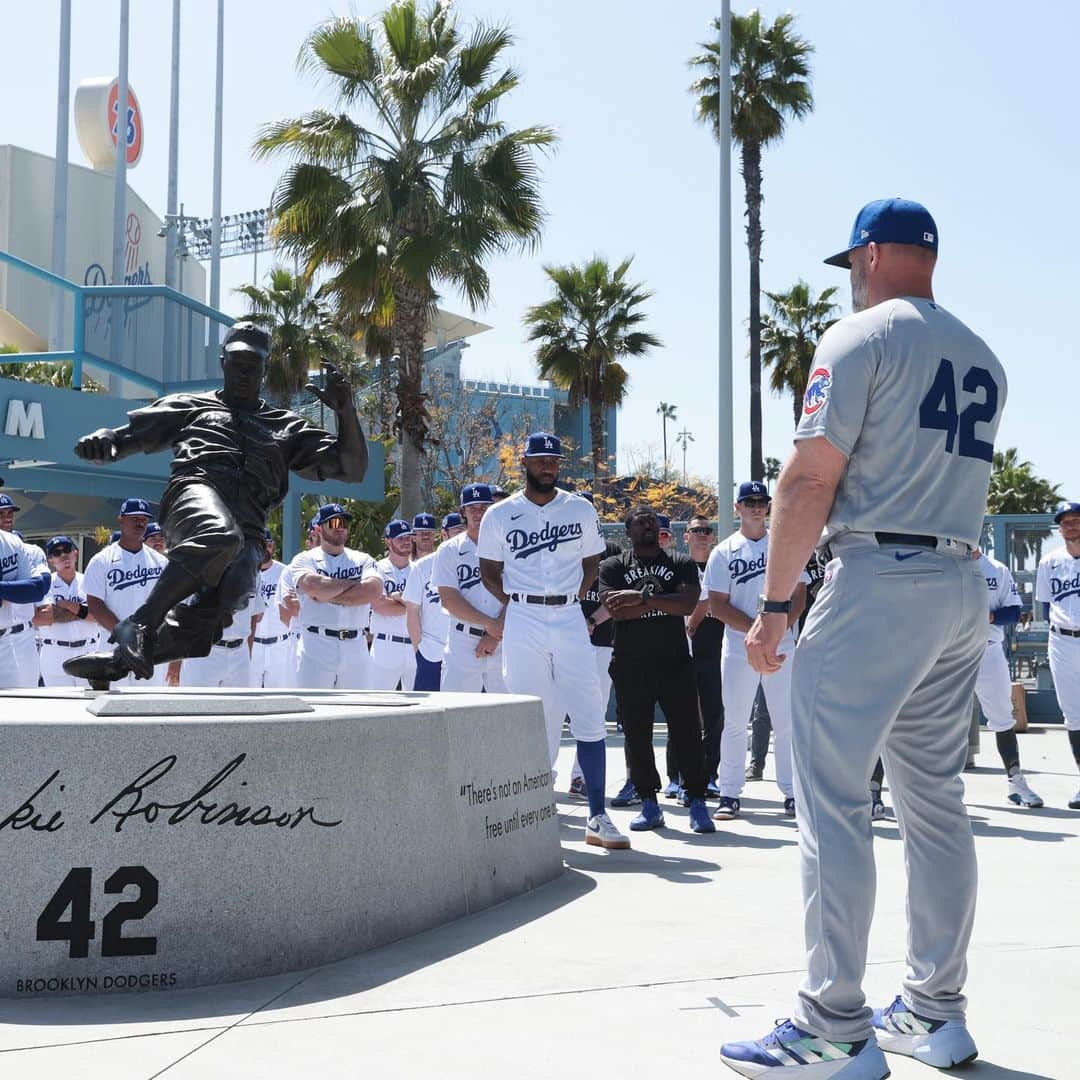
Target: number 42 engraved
79	929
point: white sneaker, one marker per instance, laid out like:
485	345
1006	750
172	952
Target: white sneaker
1020	793
600	831
941	1043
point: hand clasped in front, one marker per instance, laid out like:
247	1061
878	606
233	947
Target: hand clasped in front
762	640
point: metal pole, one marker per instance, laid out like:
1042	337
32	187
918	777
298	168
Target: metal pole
215	221
60	182
171	226
120	187
725	465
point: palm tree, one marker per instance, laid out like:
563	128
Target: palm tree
666	412
585	330
769	75
1015	489
422	190
302	330
789	336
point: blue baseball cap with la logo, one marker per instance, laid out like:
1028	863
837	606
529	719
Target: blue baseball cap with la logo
452	520
889	221
752	489
154	529
397	527
476	495
134	508
1064	508
7	503
330	510
543	444
424	522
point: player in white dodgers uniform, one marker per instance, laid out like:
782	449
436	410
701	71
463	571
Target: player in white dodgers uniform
1057	585
993	687
892	460
336	585
119	577
426	618
393	660
229	661
733	578
472	661
22	581
539	551
66	627
21	632
270	653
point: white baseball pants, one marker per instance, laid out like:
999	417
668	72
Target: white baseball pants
1065	668
740	684
464	672
24	646
324	663
9	666
392	662
273	664
52	657
603	663
223	667
547	653
993	688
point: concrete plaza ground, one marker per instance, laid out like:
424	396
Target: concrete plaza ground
631	963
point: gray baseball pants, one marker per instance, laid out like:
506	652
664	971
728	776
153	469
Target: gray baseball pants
886	665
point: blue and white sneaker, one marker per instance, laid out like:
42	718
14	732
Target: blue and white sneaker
651	817
728	809
941	1043
712	790
700	822
628	795
671	789
788	1051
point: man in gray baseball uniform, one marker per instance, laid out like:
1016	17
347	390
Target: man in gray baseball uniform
892	458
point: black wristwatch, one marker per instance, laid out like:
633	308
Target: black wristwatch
773	607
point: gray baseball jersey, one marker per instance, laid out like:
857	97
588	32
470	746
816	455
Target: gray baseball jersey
913	398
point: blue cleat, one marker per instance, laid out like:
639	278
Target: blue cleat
627	796
941	1043
651	817
789	1053
700	822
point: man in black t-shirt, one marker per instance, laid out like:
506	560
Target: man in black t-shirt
649	593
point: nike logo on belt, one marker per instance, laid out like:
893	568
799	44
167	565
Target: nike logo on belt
904	556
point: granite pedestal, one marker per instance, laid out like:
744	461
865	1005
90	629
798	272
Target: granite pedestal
167	838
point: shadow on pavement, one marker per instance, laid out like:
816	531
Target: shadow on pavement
355	974
987	1070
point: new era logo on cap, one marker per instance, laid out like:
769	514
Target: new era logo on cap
476	495
752	489
543	444
397	527
134	507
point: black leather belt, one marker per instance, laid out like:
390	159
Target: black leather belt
394	637
341	635
232	643
66	644
545	601
476	631
271	640
18	628
908	539
1065	633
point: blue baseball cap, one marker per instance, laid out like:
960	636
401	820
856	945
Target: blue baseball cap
452	520
424	522
664	522
152	529
330	510
889	221
543	444
397	527
55	542
476	495
752	489
135	508
7	503
1064	508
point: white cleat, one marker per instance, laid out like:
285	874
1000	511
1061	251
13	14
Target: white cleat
600	831
1020	792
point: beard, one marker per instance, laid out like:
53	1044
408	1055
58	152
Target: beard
541	487
860	292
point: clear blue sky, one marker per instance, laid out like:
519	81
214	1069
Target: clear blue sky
961	105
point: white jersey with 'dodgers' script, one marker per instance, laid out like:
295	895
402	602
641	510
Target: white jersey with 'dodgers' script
736	566
1057	583
122	579
356	565
421	590
394	581
457	567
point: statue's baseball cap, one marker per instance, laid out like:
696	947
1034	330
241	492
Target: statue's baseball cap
134	508
1064	508
246	337
889	221
752	489
476	495
397	527
543	444
330	510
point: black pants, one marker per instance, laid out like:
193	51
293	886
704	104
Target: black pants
642	682
711	704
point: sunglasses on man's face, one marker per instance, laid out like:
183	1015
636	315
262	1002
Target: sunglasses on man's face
701	530
755	502
336	523
63	550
